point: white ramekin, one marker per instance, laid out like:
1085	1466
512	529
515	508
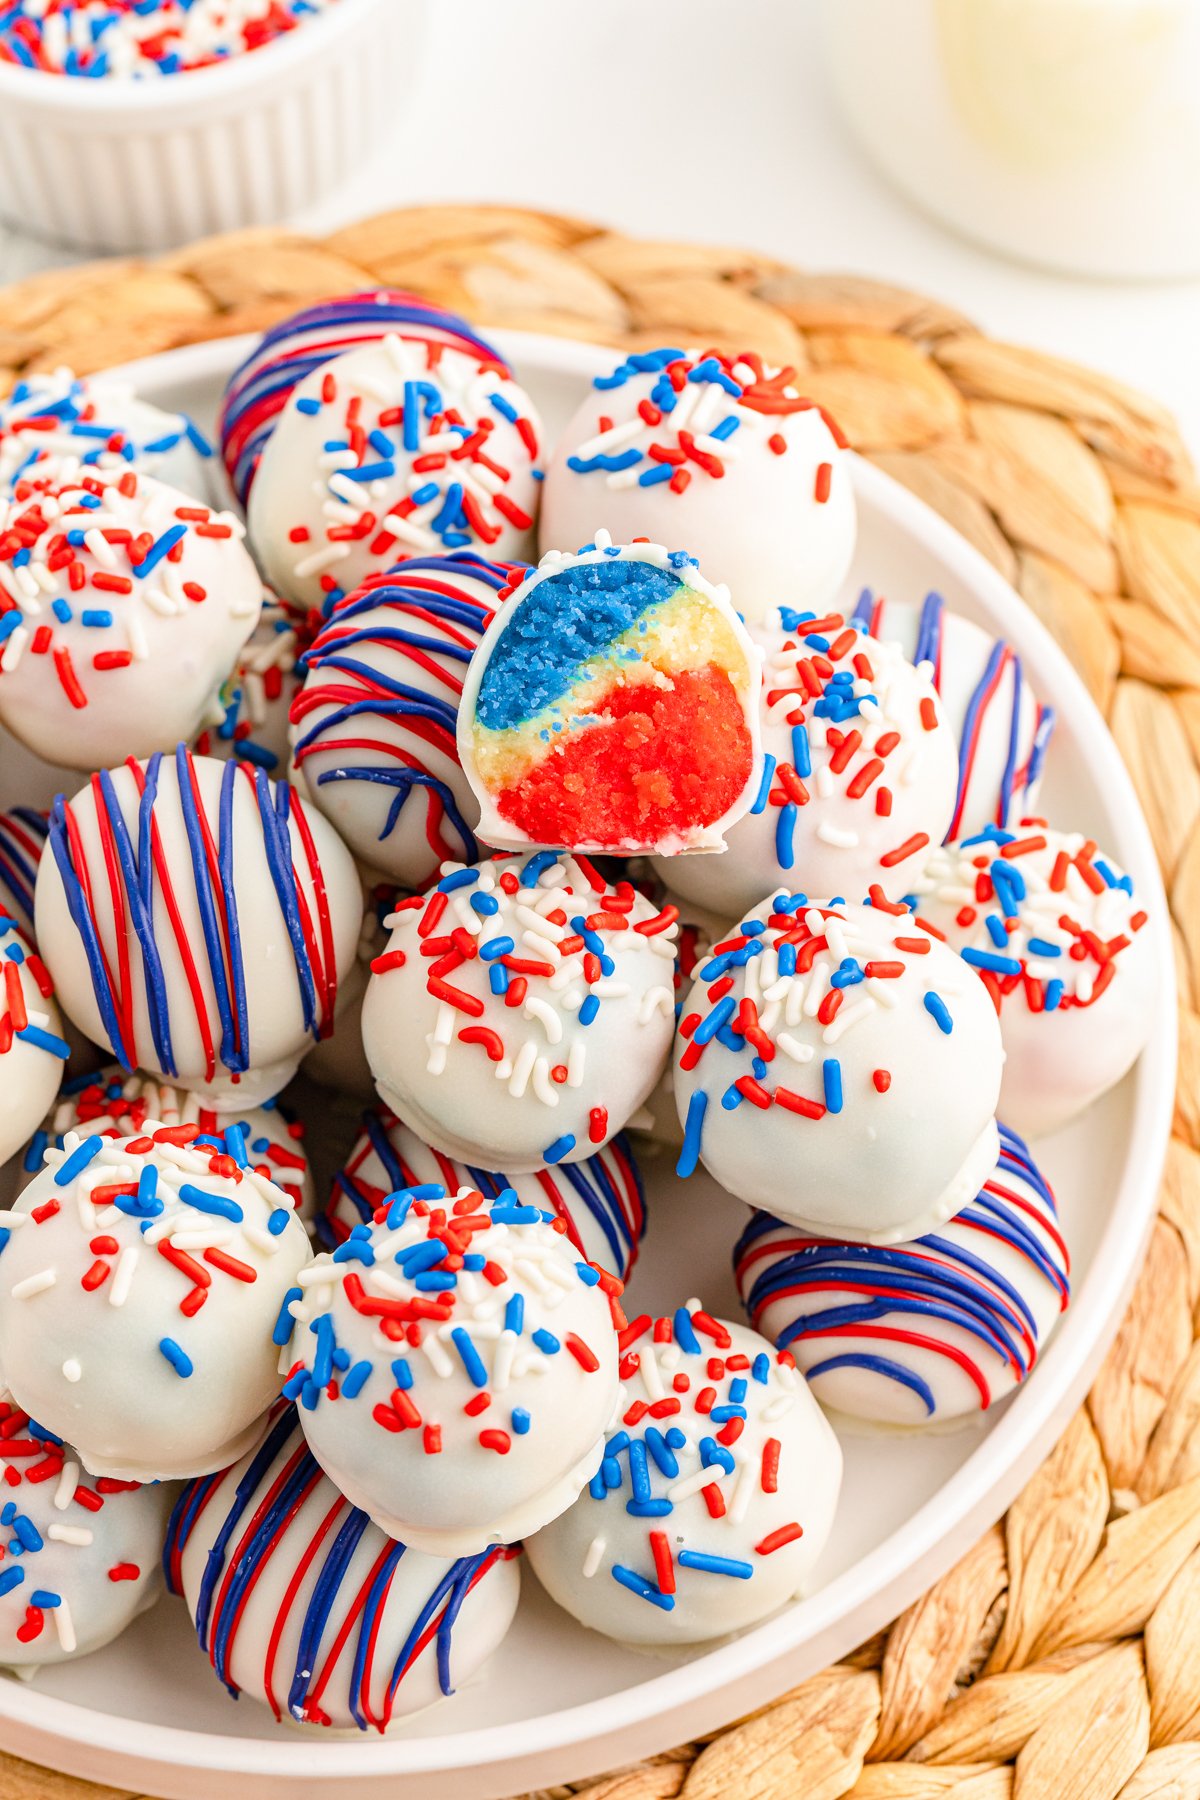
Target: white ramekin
128	165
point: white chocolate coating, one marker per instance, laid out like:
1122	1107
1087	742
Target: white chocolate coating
82	1558
307	1607
33	1051
771	525
102	423
185	970
301	487
490	1424
119	650
553	1065
934	1330
706	1515
150	1351
1065	956
846	1079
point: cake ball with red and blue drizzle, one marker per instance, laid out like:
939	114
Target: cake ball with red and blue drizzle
715	1496
199	921
257	697
522	1011
721	453
455	1366
374	727
123	606
33	1050
339	1061
81	1557
141	40
304	1605
840	1066
600	1201
100	422
922	1333
141	1281
22	840
613	706
1003	729
858	778
1059	938
417	443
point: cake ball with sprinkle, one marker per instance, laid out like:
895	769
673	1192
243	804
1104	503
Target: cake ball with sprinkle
600	1201
198	920
374	728
82	1557
840	1065
858	777
1057	935
613	706
926	1332
141	1282
720	453
123	605
33	1051
522	1010
715	1496
101	423
455	1364
256	698
22	840
304	1605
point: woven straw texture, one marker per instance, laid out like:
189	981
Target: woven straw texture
1060	1660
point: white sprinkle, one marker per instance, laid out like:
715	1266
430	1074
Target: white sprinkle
72	1370
64	1489
594	1557
34	1284
71	1534
118	1287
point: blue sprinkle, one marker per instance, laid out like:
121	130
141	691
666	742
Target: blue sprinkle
356	1379
521	1420
79	1160
561	1147
471	1360
284	1323
714	1565
546	1342
689	1155
177	1356
514	1314
685	1335
938	1011
831	1076
645	1590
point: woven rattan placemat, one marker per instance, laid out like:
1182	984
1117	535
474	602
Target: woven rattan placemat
1060	1660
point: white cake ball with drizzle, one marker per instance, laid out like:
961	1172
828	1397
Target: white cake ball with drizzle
102	423
456	1368
715	1497
140	1283
840	1065
81	1557
304	1605
522	1011
919	1333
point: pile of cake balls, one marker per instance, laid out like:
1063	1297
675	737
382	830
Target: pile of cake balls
651	847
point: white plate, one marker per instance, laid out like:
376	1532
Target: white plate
562	1703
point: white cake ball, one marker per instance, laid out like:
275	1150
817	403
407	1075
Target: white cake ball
22	840
719	454
81	1558
522	1011
33	1051
860	777
715	1497
456	1368
208	949
257	697
125	605
600	1200
398	448
1057	935
303	1604
373	729
1002	728
102	423
934	1330
840	1066
140	1288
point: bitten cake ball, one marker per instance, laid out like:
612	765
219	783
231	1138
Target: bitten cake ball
859	776
123	605
613	706
79	1558
199	921
522	1011
304	1605
22	840
715	1496
934	1330
102	424
33	1051
721	454
140	1283
456	1368
600	1201
840	1066
257	697
374	728
1058	938
1002	728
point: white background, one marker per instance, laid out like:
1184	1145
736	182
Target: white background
710	119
